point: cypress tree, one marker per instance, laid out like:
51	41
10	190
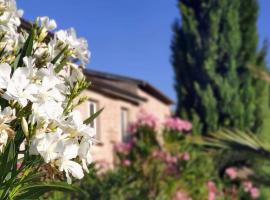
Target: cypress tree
213	48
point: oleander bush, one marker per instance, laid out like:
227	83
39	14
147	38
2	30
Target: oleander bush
161	161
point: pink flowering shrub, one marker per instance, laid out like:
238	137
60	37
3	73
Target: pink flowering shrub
172	164
159	162
144	120
176	128
177	124
240	184
164	164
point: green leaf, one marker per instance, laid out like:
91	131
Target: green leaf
59	55
8	158
26	50
2	52
36	190
92	117
59	67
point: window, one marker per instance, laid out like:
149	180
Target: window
124	124
93	110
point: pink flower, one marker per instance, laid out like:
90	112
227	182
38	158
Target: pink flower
169	159
132	128
231	172
254	193
102	166
185	156
123	148
180	196
134	141
126	163
177	124
165	157
159	154
247	186
143	119
212	190
147	119
19	164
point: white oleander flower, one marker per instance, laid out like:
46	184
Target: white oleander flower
18	88
47	23
70	167
30	70
9	20
52	48
6	116
3	140
75	127
47	91
49	145
76	74
85	153
78	45
28	83
48	71
5	71
47	111
67	165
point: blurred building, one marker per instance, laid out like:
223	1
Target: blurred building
122	99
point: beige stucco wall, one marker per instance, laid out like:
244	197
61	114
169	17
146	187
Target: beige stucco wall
109	121
154	106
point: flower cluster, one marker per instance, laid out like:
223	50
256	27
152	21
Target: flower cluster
123	148
165	157
180	195
171	161
253	191
231	172
39	79
177	124
144	119
9	20
212	190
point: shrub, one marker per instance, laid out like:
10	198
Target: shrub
163	164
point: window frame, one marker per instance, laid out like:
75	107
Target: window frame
124	121
96	121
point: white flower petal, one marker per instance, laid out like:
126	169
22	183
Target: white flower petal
5	71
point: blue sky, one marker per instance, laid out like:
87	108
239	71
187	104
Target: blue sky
126	37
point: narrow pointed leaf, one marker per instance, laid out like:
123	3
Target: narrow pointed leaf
92	117
26	50
59	55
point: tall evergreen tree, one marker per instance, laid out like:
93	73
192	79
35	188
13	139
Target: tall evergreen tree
213	48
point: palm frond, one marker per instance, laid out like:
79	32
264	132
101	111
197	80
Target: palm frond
239	141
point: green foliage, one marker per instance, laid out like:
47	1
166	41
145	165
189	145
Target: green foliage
248	147
155	170
212	49
162	165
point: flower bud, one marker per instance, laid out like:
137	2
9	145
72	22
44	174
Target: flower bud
25	127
